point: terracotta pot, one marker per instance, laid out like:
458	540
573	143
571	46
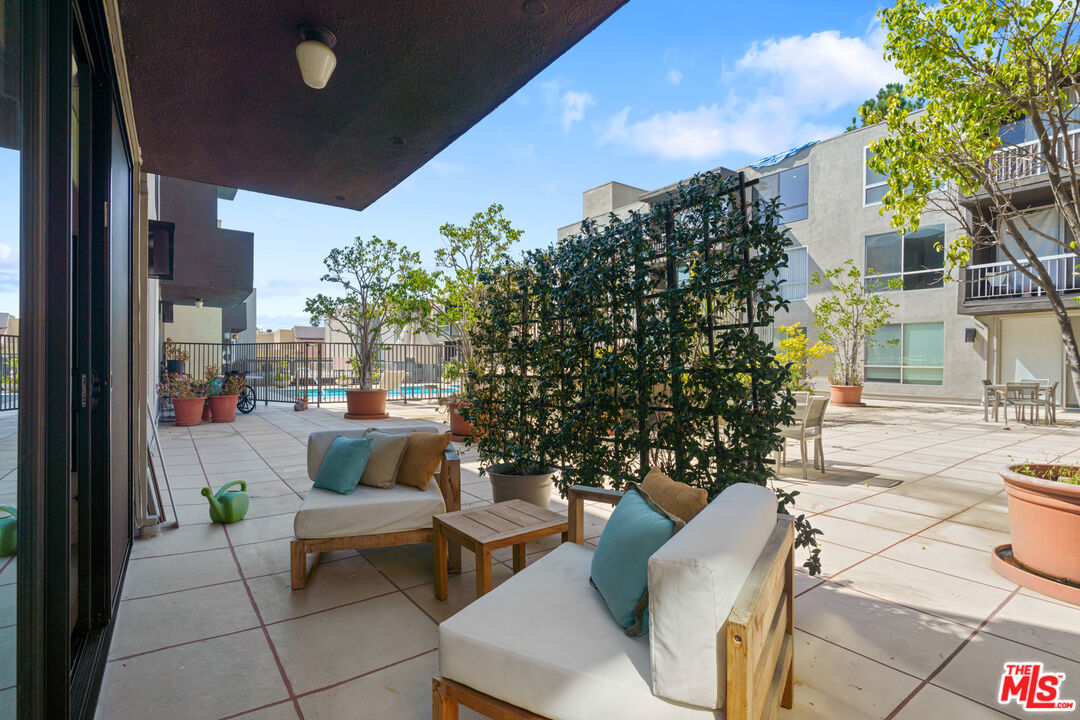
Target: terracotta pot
845	395
223	407
1044	523
505	485
459	426
189	411
366	404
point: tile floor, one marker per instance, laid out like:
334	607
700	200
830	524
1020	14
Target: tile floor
907	620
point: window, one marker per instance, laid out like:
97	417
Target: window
795	278
875	185
911	354
792	187
917	259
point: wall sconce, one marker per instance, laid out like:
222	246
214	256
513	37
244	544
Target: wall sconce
198	302
315	56
969	335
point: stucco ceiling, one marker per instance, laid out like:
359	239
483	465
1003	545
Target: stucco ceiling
218	96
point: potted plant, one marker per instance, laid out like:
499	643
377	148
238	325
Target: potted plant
467	251
1044	526
847	319
175	357
383	289
223	394
188	397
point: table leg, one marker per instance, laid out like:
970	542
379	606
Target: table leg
483	571
519	557
439	543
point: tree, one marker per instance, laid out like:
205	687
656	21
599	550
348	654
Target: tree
988	68
383	288
873	110
468	251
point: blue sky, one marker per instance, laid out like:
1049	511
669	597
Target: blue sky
661	90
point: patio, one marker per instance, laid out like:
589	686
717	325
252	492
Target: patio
907	620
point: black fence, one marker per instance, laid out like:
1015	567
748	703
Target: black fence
320	372
9	372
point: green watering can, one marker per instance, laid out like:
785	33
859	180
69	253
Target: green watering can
227	507
9	536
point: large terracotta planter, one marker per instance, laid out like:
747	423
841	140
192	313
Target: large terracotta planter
846	395
188	411
535	489
1044	524
223	407
459	426
366	404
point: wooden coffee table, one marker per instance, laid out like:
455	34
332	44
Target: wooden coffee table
484	529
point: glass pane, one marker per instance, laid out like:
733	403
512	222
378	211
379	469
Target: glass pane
872	177
883	254
791	214
922	281
921	249
880	283
924	344
883	347
923	376
10	250
795	186
883	374
874	194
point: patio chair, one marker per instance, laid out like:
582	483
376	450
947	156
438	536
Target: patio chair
989	398
809	427
543	644
1048	395
1020	396
370	517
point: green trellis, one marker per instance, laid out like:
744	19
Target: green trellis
640	344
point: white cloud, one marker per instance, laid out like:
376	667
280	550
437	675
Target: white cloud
674	76
573	105
780	94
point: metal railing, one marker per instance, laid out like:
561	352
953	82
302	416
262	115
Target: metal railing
1024	160
321	372
9	372
1002	280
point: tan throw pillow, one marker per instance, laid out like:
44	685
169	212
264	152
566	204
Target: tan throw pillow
382	466
423	454
676	498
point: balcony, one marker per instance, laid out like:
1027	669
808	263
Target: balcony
1002	281
1025	160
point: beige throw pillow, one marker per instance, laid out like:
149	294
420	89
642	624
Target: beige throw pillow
422	458
676	498
386	452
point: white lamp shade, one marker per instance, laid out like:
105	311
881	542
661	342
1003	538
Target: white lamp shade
317	63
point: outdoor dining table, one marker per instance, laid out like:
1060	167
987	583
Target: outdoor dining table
1041	393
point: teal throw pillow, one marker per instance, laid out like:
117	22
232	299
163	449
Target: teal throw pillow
620	566
343	465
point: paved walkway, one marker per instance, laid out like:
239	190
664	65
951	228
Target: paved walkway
907	620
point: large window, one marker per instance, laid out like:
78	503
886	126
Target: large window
795	278
792	187
917	259
875	185
911	354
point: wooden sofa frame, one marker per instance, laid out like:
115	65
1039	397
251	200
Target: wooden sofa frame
449	479
760	633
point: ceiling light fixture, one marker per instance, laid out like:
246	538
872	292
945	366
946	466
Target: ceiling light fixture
315	56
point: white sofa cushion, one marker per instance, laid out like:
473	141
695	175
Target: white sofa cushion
319	442
694	579
544	640
367	511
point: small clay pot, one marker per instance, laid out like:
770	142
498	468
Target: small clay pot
223	407
188	411
459	426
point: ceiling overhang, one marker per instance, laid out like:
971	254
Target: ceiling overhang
218	96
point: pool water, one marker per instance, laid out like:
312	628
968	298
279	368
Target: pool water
406	391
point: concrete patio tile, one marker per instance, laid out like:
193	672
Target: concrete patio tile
984	518
976	671
918	506
953	598
832	683
180	540
156	575
887	518
892	634
411	565
208	679
1050	626
156	622
813	503
948	558
399	691
968	535
336	645
947	490
834	558
855	535
251	530
330	585
281	711
933	702
461	591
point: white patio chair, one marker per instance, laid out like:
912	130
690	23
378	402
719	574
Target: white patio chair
989	397
1048	392
809	427
1020	396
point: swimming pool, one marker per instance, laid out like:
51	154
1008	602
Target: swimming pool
409	392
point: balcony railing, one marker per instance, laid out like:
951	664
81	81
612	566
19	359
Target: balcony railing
1025	160
1002	280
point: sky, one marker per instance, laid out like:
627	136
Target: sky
661	90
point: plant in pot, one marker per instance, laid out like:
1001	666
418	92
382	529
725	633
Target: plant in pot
467	251
847	319
175	356
188	397
223	393
1044	527
383	289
